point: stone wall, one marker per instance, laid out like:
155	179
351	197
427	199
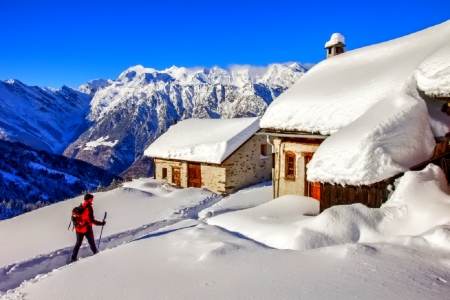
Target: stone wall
169	164
296	185
213	178
247	166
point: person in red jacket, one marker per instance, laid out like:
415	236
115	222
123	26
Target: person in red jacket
86	231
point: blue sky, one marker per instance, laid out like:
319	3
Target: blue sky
66	42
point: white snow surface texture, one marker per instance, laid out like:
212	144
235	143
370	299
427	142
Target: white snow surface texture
368	100
203	140
399	251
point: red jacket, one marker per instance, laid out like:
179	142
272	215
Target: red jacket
88	217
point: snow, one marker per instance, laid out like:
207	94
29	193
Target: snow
242	199
46	228
203	140
335	39
420	202
399	251
367	99
433	75
69	178
41	117
102	141
283	74
375	147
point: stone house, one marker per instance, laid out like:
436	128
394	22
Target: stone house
345	131
222	155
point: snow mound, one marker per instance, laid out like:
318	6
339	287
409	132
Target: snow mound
242	199
272	223
421	201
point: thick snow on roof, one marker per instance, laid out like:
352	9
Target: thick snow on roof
335	39
203	140
433	75
368	100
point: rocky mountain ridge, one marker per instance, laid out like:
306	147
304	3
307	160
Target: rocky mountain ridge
143	103
109	123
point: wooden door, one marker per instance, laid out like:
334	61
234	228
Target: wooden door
194	175
176	178
312	189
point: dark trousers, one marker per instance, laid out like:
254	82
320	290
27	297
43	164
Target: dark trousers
89	234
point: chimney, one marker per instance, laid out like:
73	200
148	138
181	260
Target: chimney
335	45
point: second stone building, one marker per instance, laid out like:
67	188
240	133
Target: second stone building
222	155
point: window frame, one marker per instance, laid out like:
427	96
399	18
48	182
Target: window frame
290	171
164	173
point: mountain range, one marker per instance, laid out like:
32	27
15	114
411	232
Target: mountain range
109	123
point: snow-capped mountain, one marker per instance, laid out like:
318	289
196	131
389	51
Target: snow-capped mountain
43	118
91	87
130	113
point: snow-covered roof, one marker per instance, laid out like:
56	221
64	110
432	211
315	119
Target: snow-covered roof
368	100
335	39
203	140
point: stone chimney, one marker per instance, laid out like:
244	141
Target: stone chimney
335	45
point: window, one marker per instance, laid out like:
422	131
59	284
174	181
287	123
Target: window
290	165
329	51
263	149
164	173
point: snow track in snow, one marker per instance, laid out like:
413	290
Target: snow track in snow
13	275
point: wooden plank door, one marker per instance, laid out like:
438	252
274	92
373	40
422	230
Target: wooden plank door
176	178
313	189
194	175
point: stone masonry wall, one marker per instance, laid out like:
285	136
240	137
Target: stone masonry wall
247	166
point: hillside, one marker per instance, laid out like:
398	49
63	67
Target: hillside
30	179
40	117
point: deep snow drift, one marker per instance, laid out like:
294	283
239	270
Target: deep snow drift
399	251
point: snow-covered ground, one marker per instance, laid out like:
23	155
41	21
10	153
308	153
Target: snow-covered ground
156	247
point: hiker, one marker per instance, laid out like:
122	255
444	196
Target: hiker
85	230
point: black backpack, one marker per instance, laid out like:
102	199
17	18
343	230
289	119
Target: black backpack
76	219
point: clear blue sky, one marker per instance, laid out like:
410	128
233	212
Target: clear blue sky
52	43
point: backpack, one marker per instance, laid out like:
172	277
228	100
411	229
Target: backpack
77	219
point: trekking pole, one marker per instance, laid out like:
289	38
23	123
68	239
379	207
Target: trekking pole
98	247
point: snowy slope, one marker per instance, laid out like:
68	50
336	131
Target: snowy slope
399	251
143	103
30	178
41	239
369	97
43	118
210	141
